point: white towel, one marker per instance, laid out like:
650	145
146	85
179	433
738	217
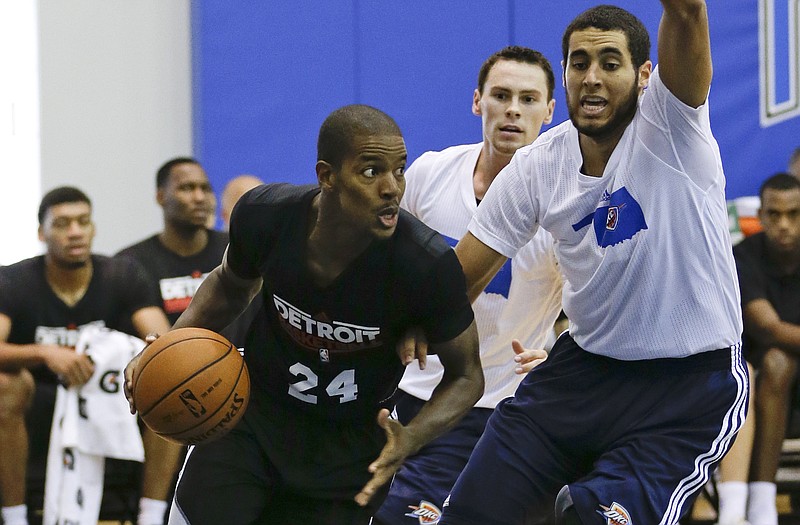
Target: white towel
90	423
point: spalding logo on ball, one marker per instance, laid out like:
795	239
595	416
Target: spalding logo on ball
191	386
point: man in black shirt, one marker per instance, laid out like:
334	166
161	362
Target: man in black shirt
44	303
179	257
345	272
768	264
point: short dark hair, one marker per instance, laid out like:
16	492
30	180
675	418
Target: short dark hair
58	196
780	181
163	173
794	156
612	18
522	54
341	127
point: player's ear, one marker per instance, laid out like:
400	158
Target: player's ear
325	175
551	106
644	74
476	103
160	196
41	233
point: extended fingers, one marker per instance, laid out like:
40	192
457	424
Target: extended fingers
413	345
526	360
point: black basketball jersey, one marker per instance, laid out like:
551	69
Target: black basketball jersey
118	288
330	351
177	277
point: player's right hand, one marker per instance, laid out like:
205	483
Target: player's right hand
130	371
400	443
526	360
72	369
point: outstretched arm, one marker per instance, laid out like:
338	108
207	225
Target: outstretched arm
457	392
684	50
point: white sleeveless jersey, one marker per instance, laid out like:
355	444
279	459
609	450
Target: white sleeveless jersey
522	302
644	249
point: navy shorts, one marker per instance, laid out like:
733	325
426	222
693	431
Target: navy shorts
234	481
634	440
421	485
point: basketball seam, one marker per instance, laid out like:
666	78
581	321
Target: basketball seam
170	392
203	338
232	390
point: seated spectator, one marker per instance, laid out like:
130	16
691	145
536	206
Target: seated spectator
45	301
234	189
178	258
769	277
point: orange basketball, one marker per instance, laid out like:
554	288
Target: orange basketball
191	386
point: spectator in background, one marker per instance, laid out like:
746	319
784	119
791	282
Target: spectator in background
768	264
234	189
794	163
44	303
179	257
514	98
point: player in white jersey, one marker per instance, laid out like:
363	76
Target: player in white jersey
632	190
514	98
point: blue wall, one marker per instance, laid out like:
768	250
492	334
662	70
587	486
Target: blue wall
266	74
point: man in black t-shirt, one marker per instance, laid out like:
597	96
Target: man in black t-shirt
345	272
44	303
768	264
179	257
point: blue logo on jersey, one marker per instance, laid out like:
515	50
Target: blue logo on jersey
619	219
501	282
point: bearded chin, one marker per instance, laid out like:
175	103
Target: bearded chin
618	122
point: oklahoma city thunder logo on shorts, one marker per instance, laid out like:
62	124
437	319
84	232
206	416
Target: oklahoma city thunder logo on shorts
615	514
427	513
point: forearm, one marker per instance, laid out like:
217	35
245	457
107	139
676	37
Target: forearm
458	391
781	334
14	357
450	401
763	325
217	302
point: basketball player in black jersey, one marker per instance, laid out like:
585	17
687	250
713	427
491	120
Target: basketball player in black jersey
44	302
345	272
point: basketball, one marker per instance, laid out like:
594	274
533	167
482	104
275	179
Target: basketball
191	386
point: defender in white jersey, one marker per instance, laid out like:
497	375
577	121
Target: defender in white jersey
514	98
632	190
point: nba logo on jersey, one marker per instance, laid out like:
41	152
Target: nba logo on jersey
615	514
613	217
324	356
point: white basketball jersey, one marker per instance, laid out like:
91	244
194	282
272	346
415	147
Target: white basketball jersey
522	302
644	249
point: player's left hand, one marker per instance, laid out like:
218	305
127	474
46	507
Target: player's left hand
398	446
526	360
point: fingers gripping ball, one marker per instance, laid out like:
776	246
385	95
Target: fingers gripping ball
191	386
